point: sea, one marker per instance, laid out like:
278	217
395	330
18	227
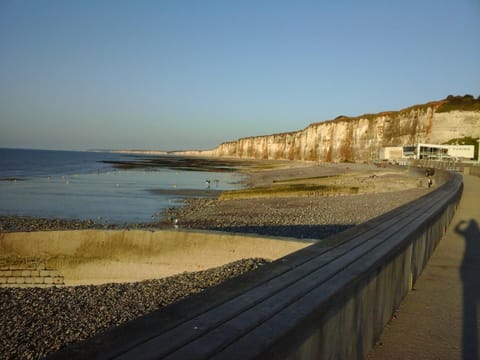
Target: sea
87	185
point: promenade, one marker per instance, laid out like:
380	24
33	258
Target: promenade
439	319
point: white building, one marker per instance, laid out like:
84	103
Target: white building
438	152
391	153
428	151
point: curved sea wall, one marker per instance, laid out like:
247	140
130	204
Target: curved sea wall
330	300
354	139
101	256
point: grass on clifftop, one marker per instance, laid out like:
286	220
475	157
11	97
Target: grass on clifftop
461	103
288	191
451	103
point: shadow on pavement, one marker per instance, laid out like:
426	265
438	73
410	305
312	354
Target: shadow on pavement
470	275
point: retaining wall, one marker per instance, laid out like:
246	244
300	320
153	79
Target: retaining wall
101	256
28	274
473	170
330	300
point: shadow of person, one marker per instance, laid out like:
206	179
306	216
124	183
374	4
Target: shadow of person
470	271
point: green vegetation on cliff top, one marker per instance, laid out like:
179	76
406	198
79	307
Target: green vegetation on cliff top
451	103
462	103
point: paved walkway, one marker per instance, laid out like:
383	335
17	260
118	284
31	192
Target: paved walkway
440	319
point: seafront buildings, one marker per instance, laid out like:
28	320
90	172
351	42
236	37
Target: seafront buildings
428	152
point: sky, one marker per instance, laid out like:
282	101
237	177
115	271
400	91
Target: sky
179	74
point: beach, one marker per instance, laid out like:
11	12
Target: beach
344	195
379	190
37	321
299	200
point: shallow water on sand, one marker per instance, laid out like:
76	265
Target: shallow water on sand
85	188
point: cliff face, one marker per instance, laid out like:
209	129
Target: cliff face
356	139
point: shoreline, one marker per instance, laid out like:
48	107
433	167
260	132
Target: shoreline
26	332
232	211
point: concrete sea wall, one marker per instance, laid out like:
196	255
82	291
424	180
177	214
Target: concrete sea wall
28	274
329	300
474	170
100	256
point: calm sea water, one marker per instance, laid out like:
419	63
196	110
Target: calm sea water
78	185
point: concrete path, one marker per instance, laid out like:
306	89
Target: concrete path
440	319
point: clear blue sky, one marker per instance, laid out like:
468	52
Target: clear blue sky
177	74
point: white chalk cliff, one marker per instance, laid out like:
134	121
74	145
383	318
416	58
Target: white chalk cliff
358	138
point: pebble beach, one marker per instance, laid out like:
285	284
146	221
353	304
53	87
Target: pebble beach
306	217
303	218
37	321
